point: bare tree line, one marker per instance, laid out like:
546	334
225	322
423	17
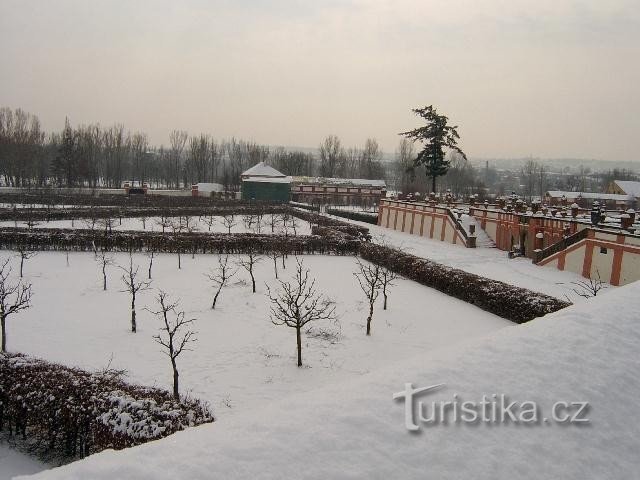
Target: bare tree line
106	156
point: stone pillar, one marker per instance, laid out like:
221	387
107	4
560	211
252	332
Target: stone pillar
574	210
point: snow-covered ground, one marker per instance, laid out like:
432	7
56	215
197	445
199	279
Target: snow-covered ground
585	353
241	361
488	262
13	463
200	224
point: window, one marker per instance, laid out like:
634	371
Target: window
603	250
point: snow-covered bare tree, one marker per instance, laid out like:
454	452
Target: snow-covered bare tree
220	278
590	287
297	303
104	260
13	298
210	220
274	220
387	278
175	333
163	222
248	262
133	286
229	221
25	254
274	255
370	281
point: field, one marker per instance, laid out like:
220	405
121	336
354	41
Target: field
241	360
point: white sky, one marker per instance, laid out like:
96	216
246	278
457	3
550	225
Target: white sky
519	77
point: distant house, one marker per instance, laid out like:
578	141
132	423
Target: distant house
207	190
585	199
624	187
264	183
338	191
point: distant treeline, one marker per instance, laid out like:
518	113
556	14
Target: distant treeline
94	155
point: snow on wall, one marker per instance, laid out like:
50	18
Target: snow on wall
587	352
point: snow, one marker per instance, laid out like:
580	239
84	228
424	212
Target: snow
629	187
241	359
354	429
488	262
261	169
151	223
14	462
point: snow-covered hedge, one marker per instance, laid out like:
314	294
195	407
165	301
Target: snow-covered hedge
197	242
513	303
73	413
371	218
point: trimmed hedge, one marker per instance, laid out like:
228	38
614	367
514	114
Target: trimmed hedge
70	413
197	242
46	214
357	216
507	301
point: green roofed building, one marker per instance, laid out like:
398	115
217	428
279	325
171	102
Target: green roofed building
264	183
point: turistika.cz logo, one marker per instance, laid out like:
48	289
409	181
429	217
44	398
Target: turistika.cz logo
491	409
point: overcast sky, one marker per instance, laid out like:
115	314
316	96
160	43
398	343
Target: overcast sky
548	78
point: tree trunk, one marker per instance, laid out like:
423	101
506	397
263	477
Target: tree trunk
384	292
253	281
133	314
370	316
275	266
215	299
104	277
433	184
3	327
21	264
179	264
176	393
150	265
299	342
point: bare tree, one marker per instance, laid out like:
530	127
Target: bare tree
221	277
174	335
178	139
133	286
298	303
249	221
151	254
274	255
248	262
590	287
369	278
163	222
229	221
104	260
24	254
387	278
274	221
14	297
178	227
210	221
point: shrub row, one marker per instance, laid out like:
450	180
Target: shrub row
219	243
305	206
70	413
371	218
507	301
49	214
44	197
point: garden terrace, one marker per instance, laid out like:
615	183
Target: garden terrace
507	301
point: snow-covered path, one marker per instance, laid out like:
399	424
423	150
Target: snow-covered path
488	262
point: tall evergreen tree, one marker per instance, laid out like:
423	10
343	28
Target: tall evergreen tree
436	135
